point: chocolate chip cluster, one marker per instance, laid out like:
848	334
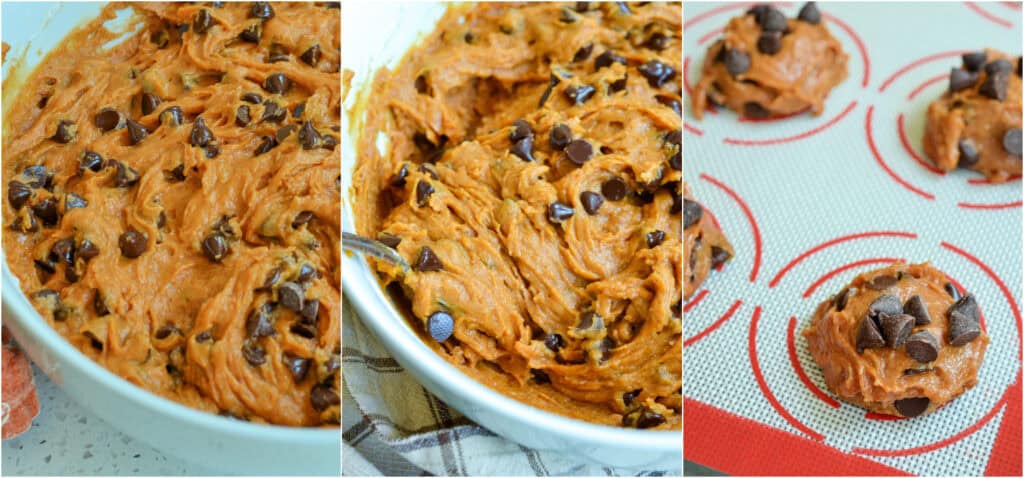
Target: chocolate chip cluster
991	79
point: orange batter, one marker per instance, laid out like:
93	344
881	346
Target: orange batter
533	180
171	204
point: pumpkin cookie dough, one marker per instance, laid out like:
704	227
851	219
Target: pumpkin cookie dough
172	203
767	65
533	181
705	246
976	124
900	340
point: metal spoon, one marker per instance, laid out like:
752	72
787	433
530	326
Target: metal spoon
357	243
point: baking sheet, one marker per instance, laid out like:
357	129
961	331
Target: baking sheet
810	202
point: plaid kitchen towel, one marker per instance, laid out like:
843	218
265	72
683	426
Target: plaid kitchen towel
391	425
20	404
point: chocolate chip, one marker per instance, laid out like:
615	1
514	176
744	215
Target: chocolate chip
629	397
172	116
916	308
46	211
308	137
1012	141
868	335
203	336
133	244
607	58
310	310
252	97
614	189
719	256
998	66
895	328
298	366
329	142
273	113
692	212
579	94
656	72
560	136
298	110
882	282
966	306
994	86
389	240
200	135
885	304
251	33
149	102
136	132
109	119
579	151
215	247
674	137
37	176
809	13
259	323
306	273
552	82
440	325
311	56
202	22
98	304
642	417
772	20
66	132
427	261
253	353
769	42
591	201
960	79
87	250
124	176
283	132
74	201
64	250
277	52
916	371
523	149
322	397
165	331
583	53
291	296
657	41
753	109
559	212
520	129
922	346
267	143
423	192
18	194
952	290
975	60
758	10
962	329
590	320
554	342
91	161
912	407
671	102
844	295
242	116
968	153
655	238
277	83
261	10
736	62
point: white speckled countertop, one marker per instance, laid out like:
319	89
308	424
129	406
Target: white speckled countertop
65	439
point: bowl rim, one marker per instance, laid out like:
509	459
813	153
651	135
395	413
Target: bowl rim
32	323
379	315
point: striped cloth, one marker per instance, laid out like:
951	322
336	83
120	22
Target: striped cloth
392	426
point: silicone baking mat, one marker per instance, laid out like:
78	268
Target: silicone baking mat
809	202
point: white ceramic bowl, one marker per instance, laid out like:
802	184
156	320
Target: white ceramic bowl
217	443
367	44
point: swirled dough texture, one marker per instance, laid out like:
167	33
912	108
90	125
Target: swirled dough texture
798	77
109	232
966	127
879	378
705	246
524	288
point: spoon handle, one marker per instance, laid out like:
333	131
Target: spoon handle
357	243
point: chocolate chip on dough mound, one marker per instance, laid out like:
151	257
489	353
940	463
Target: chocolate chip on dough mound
976	123
767	65
705	247
900	340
